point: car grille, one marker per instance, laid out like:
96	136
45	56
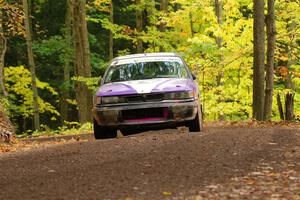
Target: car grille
145	113
143	98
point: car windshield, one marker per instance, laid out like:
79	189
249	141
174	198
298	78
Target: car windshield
146	70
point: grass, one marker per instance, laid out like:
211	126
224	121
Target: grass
70	128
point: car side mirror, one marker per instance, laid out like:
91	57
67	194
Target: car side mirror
194	76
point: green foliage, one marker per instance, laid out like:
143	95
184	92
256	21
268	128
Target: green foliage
224	74
232	96
53	48
92	83
4	105
18	85
68	128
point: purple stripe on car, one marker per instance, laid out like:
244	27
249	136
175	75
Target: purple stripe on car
174	85
114	89
145	86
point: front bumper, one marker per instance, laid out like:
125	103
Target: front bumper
162	112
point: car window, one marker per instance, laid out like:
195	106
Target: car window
146	70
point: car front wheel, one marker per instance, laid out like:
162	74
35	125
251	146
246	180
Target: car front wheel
196	125
102	132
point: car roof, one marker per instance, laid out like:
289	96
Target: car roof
144	55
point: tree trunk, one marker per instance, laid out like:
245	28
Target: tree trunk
68	60
191	24
258	60
151	18
111	39
139	26
289	106
3	48
289	97
82	61
31	63
218	12
270	23
162	25
280	109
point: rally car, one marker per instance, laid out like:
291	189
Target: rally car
146	90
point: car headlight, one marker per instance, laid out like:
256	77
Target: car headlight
97	100
179	95
113	99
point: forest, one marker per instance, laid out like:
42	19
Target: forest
245	54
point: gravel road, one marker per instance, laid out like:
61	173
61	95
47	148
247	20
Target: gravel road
170	164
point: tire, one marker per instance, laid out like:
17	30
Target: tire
102	132
196	125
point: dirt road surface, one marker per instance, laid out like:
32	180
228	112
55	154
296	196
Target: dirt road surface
220	163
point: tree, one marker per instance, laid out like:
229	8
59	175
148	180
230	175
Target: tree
10	25
36	115
82	60
270	24
68	59
111	37
162	25
287	55
20	95
218	11
139	25
289	85
3	48
258	59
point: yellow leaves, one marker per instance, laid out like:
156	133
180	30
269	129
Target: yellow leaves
103	5
167	193
126	30
201	39
101	2
283	71
46	86
297	74
231	8
90	82
273	174
283	57
14	17
72	101
250	181
184	34
18	85
287	27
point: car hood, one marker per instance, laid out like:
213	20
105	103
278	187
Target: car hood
146	86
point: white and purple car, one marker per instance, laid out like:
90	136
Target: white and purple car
151	90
